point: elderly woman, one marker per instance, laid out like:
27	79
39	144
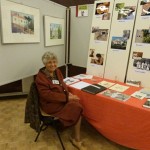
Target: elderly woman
55	98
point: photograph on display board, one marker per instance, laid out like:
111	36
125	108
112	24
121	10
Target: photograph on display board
102	9
145	8
96	57
106	16
142	64
100	34
143	36
137	55
120	42
125	12
126	34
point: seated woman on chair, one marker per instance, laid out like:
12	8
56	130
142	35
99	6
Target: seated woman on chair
55	98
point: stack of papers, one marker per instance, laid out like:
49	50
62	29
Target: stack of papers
119	88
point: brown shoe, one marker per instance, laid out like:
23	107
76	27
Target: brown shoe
78	145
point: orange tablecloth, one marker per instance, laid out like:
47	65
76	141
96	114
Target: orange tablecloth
124	122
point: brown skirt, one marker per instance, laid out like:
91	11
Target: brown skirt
69	114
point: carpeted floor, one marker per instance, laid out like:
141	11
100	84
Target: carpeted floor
16	135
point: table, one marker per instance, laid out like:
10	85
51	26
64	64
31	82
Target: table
124	122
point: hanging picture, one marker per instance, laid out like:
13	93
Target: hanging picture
20	23
81	10
54	31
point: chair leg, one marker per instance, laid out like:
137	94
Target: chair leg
60	139
39	132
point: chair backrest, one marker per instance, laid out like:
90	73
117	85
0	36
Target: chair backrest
32	110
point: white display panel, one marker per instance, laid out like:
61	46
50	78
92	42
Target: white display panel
102	14
123	20
139	63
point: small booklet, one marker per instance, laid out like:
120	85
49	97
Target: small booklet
146	91
70	80
116	95
119	88
147	104
83	76
106	84
138	95
94	88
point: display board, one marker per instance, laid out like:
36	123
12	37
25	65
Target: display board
123	19
139	63
99	37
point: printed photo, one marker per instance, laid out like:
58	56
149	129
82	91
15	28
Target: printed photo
98	59
137	55
142	36
95	29
126	34
22	23
106	16
102	8
118	43
119	6
55	31
101	35
92	53
142	64
125	12
145	8
116	95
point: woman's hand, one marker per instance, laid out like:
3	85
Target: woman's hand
73	97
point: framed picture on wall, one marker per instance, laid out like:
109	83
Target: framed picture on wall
54	31
20	23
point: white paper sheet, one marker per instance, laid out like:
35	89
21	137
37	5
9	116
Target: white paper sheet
80	85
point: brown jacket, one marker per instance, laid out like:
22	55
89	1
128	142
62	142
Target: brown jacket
52	96
54	99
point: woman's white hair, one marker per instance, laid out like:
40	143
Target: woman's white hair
48	56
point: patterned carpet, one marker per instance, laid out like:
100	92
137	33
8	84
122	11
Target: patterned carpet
16	135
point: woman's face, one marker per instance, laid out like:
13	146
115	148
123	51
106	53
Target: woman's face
51	65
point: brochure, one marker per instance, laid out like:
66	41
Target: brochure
106	84
138	95
147	104
146	91
119	88
69	80
83	76
116	95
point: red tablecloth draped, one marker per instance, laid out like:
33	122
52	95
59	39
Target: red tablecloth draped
124	122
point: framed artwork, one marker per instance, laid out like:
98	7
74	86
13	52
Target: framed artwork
54	31
20	23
